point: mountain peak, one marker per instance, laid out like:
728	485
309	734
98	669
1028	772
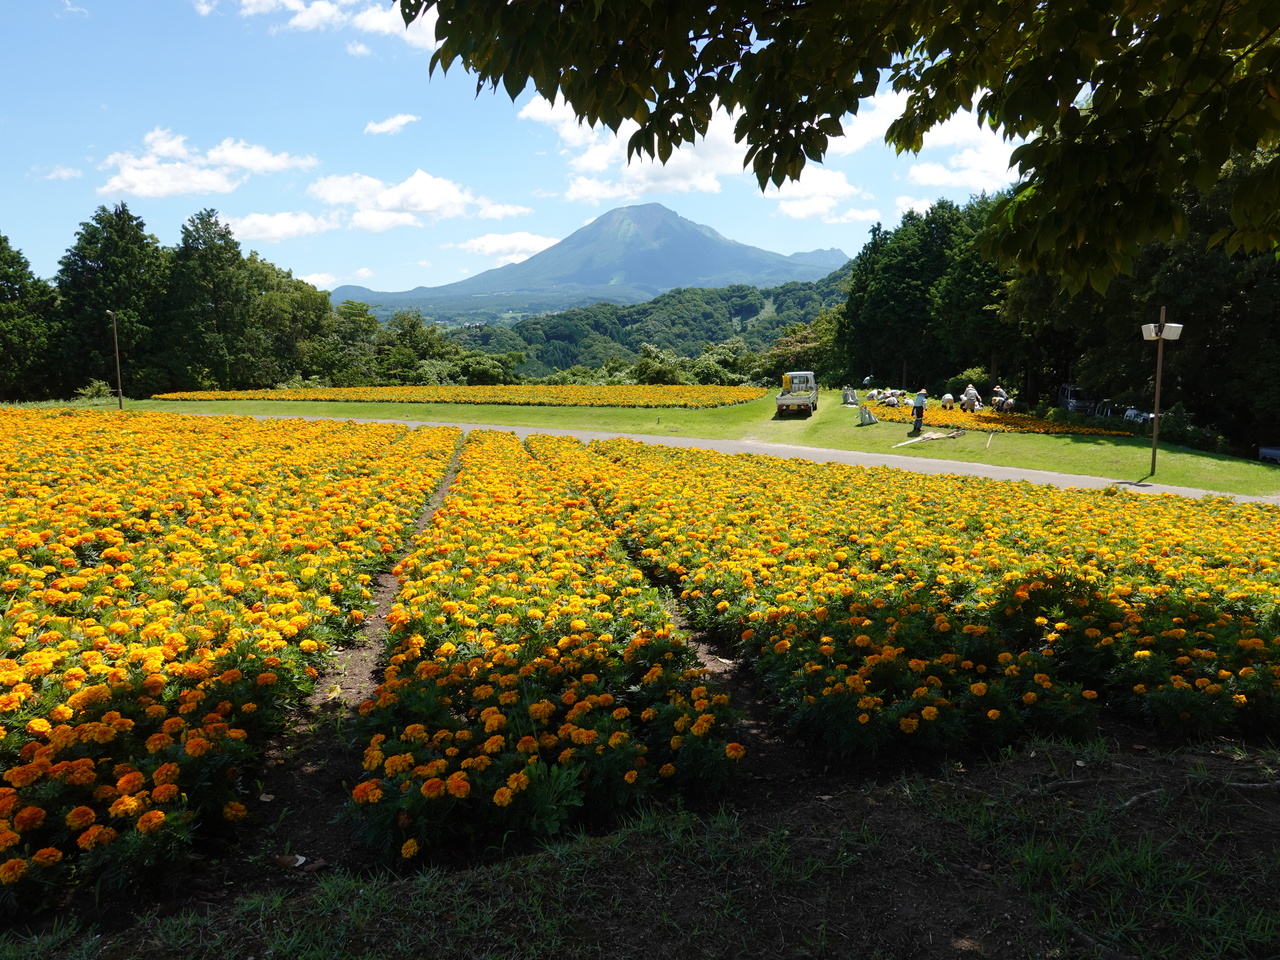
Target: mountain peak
625	255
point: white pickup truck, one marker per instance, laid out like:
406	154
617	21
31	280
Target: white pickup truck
799	392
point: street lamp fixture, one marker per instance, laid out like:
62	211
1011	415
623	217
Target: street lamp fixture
1160	332
115	337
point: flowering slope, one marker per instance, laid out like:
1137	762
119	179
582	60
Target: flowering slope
532	668
695	397
885	608
167	585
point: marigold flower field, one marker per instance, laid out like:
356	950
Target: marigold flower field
638	395
172	585
989	421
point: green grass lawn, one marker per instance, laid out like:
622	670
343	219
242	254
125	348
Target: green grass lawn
833	426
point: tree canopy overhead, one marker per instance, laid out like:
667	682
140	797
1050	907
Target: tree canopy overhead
1123	103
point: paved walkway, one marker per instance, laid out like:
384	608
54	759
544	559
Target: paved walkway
854	457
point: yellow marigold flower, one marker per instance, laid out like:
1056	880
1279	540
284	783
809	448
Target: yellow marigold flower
502	797
993	714
978	689
908	724
1029	697
667	770
929	713
409	849
631	775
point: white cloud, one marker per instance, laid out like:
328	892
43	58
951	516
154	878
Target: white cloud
379	221
919	205
318	16
381	206
256	159
353	188
981	167
869	124
854	215
69	7
506	247
500	211
170	168
204	7
391	124
424	263
63	173
374	18
358	49
364	273
321	281
274	227
816	195
694	168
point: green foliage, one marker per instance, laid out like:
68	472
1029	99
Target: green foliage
113	265
1122	106
25	305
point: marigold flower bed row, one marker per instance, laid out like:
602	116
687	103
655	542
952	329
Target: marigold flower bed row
167	585
694	397
885	608
533	670
988	421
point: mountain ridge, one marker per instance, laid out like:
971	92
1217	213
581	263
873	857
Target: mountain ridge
625	256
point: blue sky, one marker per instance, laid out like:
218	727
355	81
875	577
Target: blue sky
315	132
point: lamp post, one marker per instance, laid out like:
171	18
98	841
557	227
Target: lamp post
1160	332
115	338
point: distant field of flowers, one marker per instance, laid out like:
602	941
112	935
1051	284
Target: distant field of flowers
696	397
169	586
988	421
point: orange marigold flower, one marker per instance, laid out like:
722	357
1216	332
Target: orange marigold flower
166	773
409	849
368	791
47	857
735	751
908	724
11	871
433	788
197	746
929	713
233	811
28	818
165	793
158	741
131	782
266	679
502	796
458	786
667	770
151	821
96	836
81	817
978	689
993	714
